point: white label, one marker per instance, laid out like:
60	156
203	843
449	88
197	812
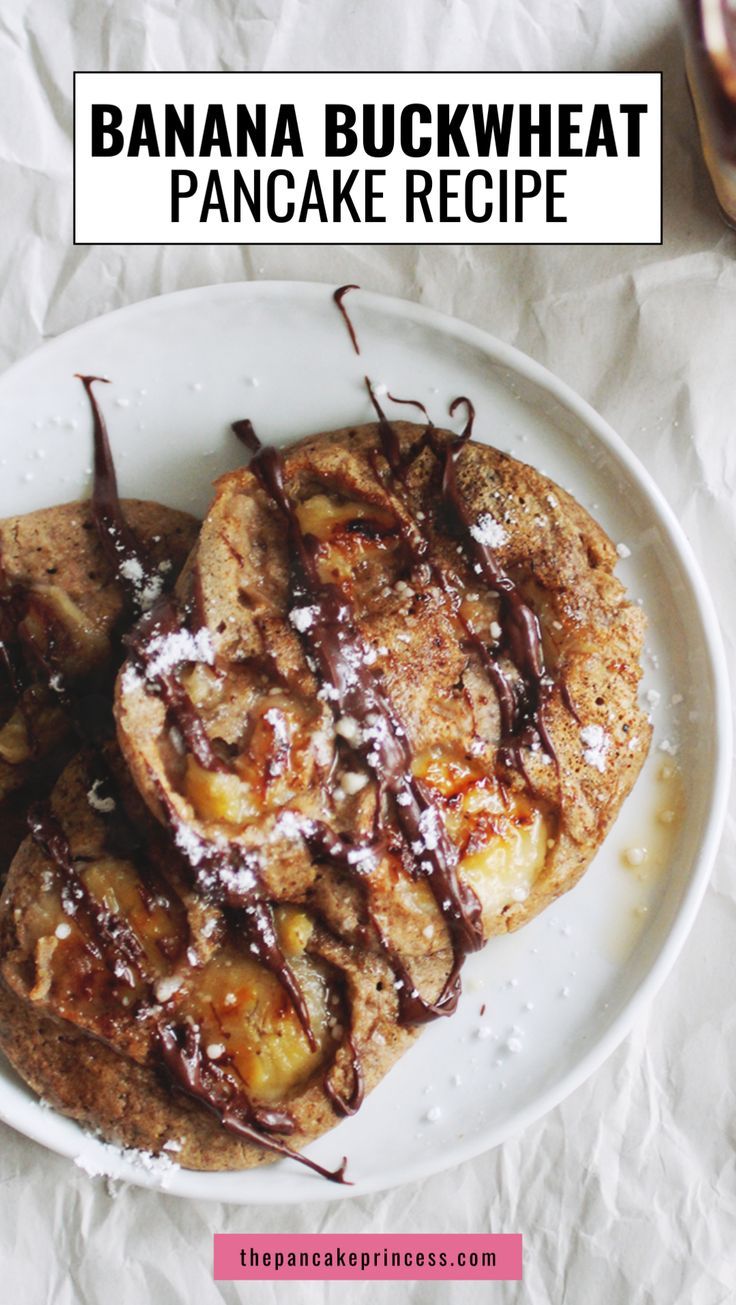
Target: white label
367	158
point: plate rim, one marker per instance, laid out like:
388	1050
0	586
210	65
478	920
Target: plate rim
186	1183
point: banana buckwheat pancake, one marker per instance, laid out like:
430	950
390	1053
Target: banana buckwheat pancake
61	607
401	678
123	984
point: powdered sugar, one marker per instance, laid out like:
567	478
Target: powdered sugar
303	618
240	880
595	743
291	825
131	569
166	651
430	829
189	842
349	729
111	1161
147	589
489	532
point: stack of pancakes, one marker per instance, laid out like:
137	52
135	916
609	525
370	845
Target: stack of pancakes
388	710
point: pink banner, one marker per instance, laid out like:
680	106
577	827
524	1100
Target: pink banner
368	1257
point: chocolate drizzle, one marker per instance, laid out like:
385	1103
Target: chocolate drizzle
32	674
178	1046
121	950
334	643
12	605
229	876
338	297
350	1104
249	914
8	662
389	439
162	626
140	580
467	430
25	665
204	1081
225	873
521	704
520	701
411	403
106	935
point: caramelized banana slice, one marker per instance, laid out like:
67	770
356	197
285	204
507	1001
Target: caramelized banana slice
248	1023
503	837
283	748
359	542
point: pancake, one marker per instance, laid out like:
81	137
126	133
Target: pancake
416	646
110	962
61	608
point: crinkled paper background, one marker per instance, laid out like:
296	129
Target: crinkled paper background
626	1193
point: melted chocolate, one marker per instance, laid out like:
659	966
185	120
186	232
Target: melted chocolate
146	641
338	297
335	646
118	939
245	432
350	1104
399	463
255	921
120	948
333	642
225	874
14	650
357	859
467	430
203	1081
25	666
132	567
129	560
390	443
8	658
412	403
520	704
521	636
138	578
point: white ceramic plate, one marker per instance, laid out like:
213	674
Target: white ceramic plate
562	993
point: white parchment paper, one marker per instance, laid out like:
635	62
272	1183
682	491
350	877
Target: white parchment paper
626	1194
